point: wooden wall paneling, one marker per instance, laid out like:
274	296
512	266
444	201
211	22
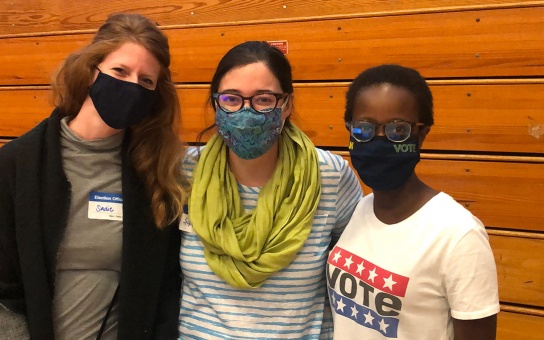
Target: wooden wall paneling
520	268
318	112
23	108
498	117
516	326
33	60
501	194
506	195
472	44
332	41
30	16
488	117
196	114
490	43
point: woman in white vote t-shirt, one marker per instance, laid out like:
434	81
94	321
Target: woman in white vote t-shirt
412	263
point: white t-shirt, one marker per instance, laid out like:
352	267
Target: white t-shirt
407	280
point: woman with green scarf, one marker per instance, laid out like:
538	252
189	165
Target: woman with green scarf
264	208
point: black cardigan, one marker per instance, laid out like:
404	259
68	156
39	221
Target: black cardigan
34	205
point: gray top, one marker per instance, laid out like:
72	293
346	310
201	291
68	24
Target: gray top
12	325
89	257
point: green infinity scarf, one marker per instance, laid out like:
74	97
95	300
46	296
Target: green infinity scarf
244	249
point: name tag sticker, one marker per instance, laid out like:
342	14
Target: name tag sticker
105	206
185	224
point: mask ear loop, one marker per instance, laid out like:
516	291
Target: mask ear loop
99	71
282	107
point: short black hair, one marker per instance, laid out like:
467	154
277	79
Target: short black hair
396	75
251	52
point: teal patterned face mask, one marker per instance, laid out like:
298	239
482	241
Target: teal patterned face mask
248	133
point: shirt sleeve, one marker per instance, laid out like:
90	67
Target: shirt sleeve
11	286
166	320
471	278
189	161
349	194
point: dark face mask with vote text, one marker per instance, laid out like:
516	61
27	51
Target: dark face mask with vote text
384	165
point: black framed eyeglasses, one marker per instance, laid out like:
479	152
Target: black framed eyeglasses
260	102
396	130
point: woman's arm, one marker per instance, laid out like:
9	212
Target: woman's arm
12	302
166	322
478	329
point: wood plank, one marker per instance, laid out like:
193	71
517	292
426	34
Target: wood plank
475	117
33	60
515	326
494	118
488	117
502	195
463	44
23	108
490	43
520	269
30	16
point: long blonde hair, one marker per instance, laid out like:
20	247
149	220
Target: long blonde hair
155	148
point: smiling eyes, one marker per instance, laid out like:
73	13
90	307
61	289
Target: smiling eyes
122	73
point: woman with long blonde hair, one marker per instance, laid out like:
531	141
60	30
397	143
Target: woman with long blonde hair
90	198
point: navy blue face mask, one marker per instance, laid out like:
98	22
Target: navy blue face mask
382	164
119	103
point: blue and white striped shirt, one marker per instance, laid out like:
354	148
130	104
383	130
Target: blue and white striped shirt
291	304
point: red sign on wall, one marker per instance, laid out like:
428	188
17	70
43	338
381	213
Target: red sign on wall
280	45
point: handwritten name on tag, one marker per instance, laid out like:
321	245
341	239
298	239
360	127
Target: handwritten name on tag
185	224
105	206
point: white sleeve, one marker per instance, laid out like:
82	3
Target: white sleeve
471	278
